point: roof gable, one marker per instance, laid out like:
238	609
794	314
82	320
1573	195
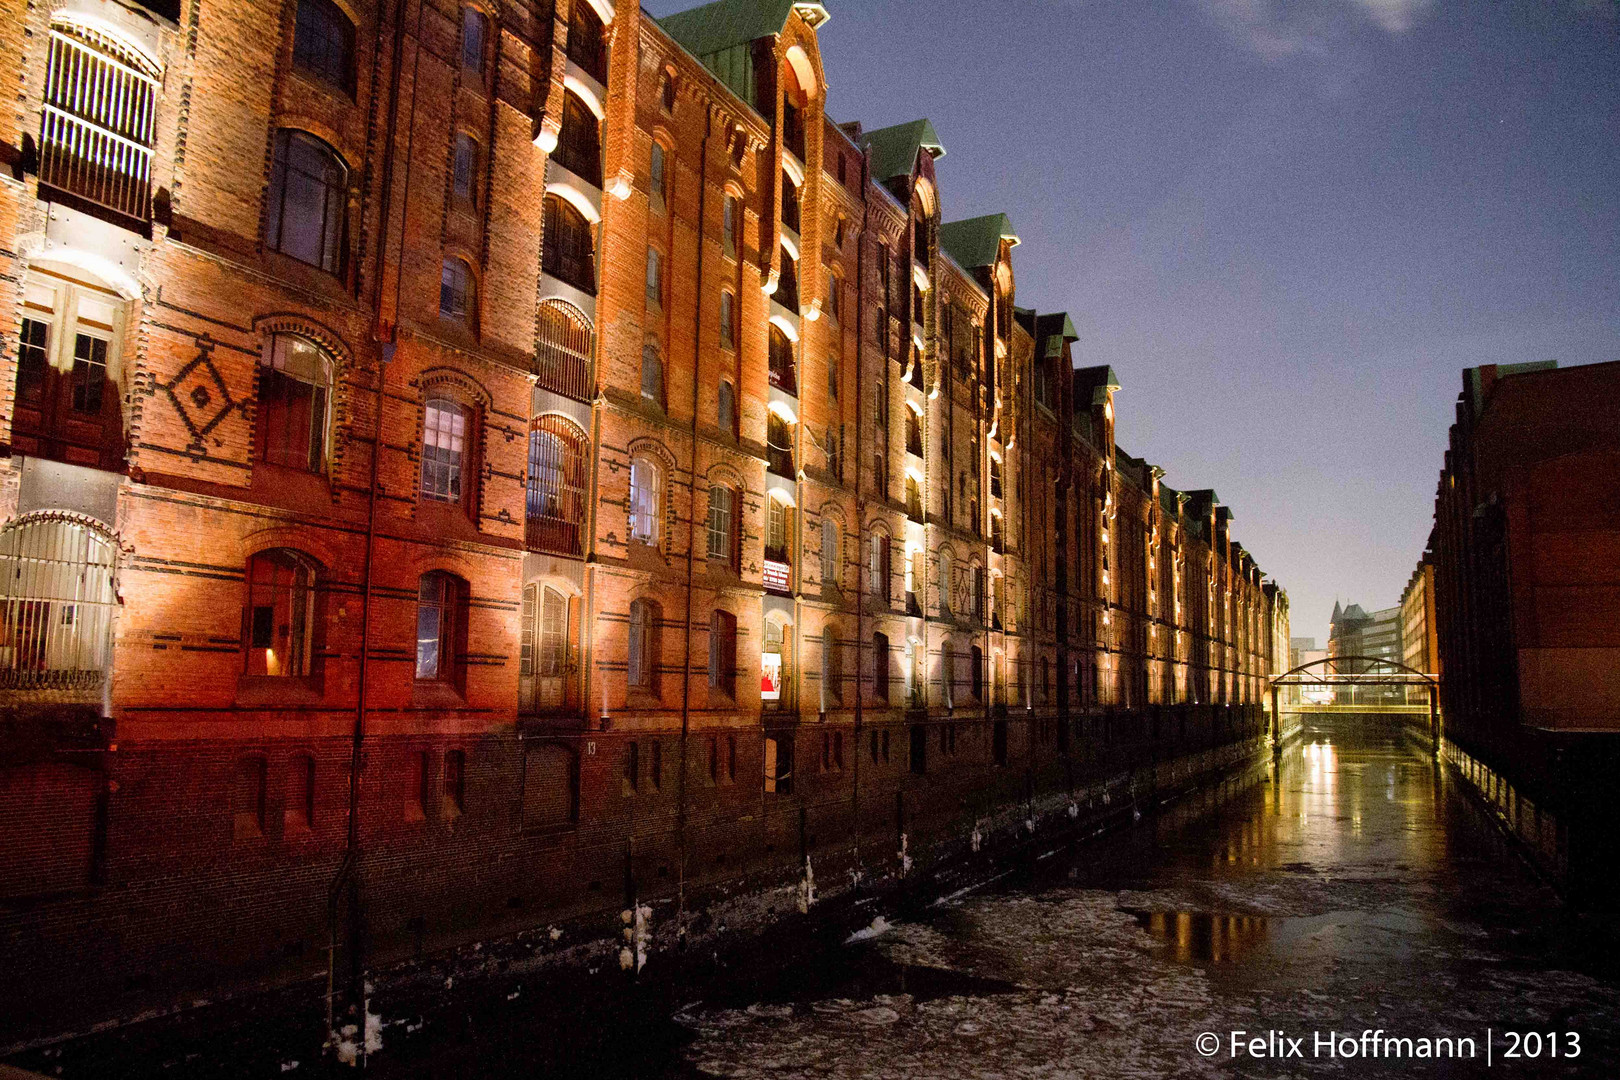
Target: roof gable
894	149
719	34
976	242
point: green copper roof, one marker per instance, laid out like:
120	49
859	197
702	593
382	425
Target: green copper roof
719	35
724	24
1099	380
976	242
894	149
1055	328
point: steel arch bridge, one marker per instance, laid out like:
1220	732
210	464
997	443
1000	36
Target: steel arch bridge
1356	671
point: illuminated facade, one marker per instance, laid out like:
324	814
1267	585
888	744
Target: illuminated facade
559	458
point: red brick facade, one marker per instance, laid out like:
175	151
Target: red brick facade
331	596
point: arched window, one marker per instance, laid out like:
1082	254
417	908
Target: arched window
655	279
666	93
299	813
976	671
308	192
832	669
781	361
829	552
946	575
279	622
569	252
556	495
728	319
248	800
723	652
652	375
645	498
978	593
579	144
58	596
294	385
947	671
722	524
464	174
546	649
446	431
914	438
441	627
778	531
880	666
474	41
787	286
914	505
563	358
790	203
644	645
726	408
778	444
455	783
457	294
731	224
879	565
656	178
323	43
99	119
587	43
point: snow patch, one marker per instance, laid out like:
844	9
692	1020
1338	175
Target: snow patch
878	927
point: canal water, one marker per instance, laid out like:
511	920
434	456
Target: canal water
1353	890
1349	888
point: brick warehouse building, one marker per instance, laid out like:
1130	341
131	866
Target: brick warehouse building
1526	587
738	512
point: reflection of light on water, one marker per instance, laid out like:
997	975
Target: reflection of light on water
1205	938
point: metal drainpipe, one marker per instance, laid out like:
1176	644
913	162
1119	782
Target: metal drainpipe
860	512
691	516
346	875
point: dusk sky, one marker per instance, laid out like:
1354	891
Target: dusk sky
1288	226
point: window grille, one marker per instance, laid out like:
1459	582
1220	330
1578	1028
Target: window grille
58	596
563	355
100	109
556	495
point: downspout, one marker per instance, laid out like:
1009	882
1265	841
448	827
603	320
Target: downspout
346	876
860	512
691	512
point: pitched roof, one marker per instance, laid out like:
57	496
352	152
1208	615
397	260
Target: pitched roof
719	33
975	242
894	149
1099	380
723	24
1055	327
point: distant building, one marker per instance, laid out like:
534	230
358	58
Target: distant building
1353	632
1419	649
1301	651
1526	590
